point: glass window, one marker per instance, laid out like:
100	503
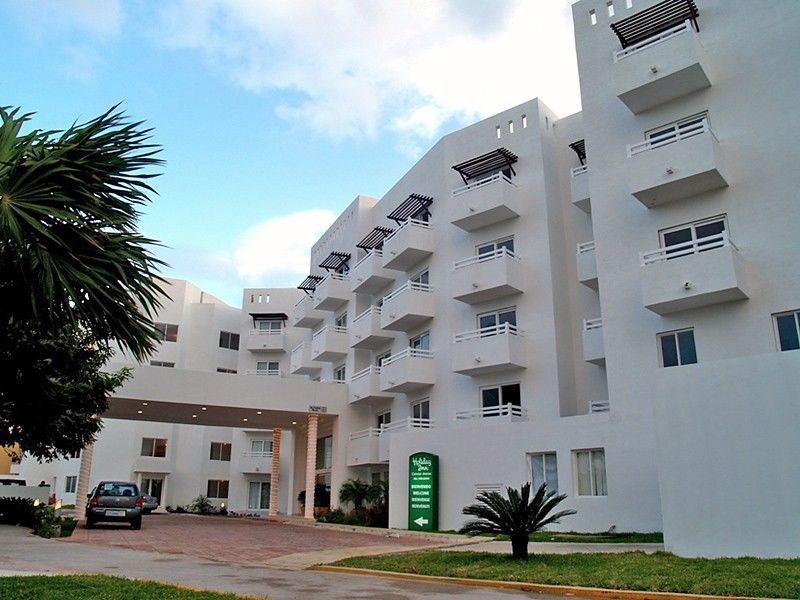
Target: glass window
497	318
325	452
422	278
677	348
421	410
697	232
272	326
258	495
70	483
156	447
382	357
271	367
544	469
421	342
166	332
384	418
161	363
229	340
787	329
341	320
492	247
217	488
500	395
340	373
261	448
591	472
220	451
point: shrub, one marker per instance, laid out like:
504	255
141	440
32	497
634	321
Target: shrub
68	525
47	521
17	511
322	496
202	505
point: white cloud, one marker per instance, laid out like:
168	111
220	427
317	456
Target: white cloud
97	18
275	252
354	68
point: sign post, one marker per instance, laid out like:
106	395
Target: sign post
423	492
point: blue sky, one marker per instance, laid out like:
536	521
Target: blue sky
274	114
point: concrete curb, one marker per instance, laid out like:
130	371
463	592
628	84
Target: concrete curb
559	590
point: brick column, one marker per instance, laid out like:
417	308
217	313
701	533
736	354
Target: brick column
82	488
311	464
275	477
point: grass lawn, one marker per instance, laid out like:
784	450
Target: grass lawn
773	578
598	538
94	587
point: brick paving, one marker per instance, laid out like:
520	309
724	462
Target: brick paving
235	540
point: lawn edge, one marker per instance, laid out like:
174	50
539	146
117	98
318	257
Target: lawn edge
560	590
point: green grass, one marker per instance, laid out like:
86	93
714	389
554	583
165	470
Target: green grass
772	578
655	537
97	587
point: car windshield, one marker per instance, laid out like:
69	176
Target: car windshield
117	489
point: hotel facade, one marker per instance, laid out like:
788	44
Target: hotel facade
608	302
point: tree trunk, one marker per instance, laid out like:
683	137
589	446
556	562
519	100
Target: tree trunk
519	546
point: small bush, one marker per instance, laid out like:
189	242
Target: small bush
68	525
47	521
180	509
202	505
17	511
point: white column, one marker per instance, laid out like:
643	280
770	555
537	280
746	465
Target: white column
311	464
84	474
275	477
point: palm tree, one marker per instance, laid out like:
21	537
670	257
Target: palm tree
516	516
355	491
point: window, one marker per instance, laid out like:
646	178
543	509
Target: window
610	7
524	121
224	370
421	342
70	483
544	469
628	3
593	17
162	363
423	214
229	340
382	357
271	367
496	396
384	418
261	448
511	127
340	374
220	451
217	488
341	320
693	236
421	410
497	318
325	452
498	132
166	332
156	447
666	134
676	348
422	278
787	330
258	495
270	325
492	247
590	467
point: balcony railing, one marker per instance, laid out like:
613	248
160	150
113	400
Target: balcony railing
408	353
266	331
269	372
483	332
409	285
334	328
407	223
652	41
590	324
371	432
372	310
575	171
504	410
482	258
676	134
335	277
370	370
482	182
375	252
585	247
258	454
407	423
710	242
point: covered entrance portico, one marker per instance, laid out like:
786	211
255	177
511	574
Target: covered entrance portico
249	403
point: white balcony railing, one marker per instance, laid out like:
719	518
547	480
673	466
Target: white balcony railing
269	372
599	406
681	131
407	423
718	240
504	410
590	324
575	171
374	252
258	454
652	41
408	285
408	353
266	331
370	370
334	276
585	247
372	310
482	182
371	432
406	223
334	328
482	258
483	332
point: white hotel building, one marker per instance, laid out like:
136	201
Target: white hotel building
607	301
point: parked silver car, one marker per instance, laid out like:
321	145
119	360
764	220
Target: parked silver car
150	504
115	501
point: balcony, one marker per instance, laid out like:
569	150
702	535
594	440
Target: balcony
255	463
264	372
266	341
488	350
683	162
664	67
490	200
305	315
366	331
153	464
409	370
594	350
365	386
587	264
579	188
332	292
693	274
301	363
504	413
407	307
362	448
330	344
369	276
388	429
487	277
408	245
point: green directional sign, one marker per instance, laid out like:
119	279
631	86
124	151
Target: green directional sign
423	492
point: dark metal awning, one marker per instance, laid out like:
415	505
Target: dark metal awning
410	207
309	283
580	149
335	261
269	316
486	163
652	21
374	238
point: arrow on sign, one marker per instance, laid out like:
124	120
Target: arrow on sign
421	521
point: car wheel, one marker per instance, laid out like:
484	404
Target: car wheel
89	523
136	523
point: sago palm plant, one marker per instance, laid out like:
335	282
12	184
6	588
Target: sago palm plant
356	492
